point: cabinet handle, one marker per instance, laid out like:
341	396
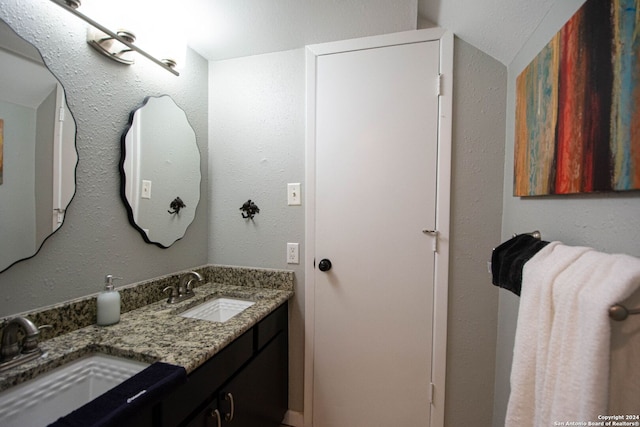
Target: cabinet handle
215	414
229	416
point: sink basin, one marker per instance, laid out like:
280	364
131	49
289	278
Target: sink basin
218	310
54	394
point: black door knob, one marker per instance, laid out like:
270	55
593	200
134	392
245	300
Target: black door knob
324	265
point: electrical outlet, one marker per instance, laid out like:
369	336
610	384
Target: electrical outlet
293	253
146	189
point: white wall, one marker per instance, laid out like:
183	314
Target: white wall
479	89
607	222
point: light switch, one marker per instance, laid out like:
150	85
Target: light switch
146	189
294	197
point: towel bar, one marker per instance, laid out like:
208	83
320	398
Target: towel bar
619	312
535	234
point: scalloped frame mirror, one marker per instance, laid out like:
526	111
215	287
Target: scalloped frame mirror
160	168
38	156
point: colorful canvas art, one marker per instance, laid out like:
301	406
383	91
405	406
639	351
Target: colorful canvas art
578	106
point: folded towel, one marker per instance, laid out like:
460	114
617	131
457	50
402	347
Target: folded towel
114	406
508	259
562	350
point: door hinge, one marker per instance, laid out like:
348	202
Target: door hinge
435	235
59	215
61	115
432	388
440	84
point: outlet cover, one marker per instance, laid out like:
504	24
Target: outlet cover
293	253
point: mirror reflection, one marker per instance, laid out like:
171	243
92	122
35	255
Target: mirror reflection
37	150
160	171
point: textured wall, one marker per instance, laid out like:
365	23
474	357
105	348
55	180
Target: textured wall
608	222
257	109
96	238
479	88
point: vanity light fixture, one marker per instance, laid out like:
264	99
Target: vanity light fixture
115	45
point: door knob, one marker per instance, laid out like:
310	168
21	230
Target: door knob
324	265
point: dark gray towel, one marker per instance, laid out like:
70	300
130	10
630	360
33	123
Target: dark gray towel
508	259
113	407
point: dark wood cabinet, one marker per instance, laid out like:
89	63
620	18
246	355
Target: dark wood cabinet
257	396
245	385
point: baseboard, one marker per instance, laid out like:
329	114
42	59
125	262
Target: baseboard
294	419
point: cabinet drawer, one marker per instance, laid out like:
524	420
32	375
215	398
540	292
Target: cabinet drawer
271	325
203	381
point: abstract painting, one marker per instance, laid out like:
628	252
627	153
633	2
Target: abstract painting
578	106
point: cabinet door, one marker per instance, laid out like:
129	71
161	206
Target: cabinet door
258	395
208	417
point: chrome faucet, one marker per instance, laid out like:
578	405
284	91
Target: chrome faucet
11	354
184	290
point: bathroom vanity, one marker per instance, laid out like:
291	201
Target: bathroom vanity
244	385
237	370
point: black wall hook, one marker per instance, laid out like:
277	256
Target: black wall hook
176	205
250	208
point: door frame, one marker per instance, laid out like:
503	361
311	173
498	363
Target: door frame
443	196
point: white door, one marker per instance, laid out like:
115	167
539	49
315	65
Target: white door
376	124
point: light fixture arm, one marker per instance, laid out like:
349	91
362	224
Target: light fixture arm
115	36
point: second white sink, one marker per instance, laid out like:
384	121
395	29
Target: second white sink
218	310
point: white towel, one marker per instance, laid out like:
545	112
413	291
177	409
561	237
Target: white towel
560	366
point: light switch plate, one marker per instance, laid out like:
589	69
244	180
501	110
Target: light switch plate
294	197
146	189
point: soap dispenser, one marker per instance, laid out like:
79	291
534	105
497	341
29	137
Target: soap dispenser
108	303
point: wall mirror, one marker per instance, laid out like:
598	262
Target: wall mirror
160	169
38	154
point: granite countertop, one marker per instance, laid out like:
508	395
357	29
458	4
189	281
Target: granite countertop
156	332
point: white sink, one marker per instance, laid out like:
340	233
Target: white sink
218	310
54	394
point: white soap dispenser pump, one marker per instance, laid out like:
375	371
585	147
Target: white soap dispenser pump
109	303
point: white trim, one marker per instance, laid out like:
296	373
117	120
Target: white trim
443	203
441	279
293	419
406	37
310	236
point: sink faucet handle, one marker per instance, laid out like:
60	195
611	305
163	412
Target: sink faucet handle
173	295
40	328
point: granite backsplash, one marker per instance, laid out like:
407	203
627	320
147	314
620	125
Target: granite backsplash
79	313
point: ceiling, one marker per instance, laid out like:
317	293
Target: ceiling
497	27
222	29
